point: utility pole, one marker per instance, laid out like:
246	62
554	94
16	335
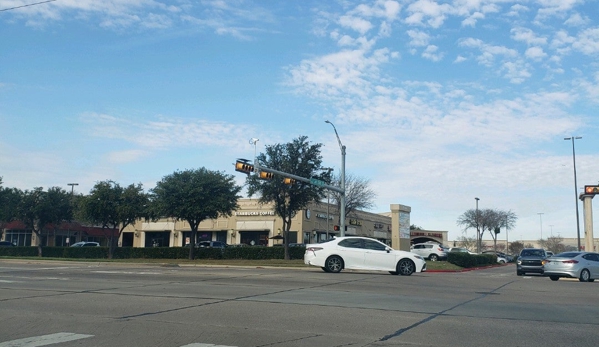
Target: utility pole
69	228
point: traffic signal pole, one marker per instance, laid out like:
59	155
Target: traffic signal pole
312	181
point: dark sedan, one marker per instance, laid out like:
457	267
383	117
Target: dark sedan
530	260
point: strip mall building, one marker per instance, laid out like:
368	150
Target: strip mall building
257	224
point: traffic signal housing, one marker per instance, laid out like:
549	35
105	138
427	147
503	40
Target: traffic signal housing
591	189
288	180
266	175
244	167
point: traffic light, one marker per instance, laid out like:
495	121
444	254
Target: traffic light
288	180
242	165
591	189
266	175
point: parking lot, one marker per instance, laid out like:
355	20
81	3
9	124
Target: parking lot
97	304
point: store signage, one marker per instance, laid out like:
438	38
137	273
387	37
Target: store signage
355	222
255	213
418	233
323	216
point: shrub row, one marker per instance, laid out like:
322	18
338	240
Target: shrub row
256	252
467	260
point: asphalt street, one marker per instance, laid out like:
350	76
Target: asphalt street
65	304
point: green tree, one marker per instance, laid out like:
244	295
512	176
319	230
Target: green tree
299	158
358	194
9	200
114	208
38	210
194	196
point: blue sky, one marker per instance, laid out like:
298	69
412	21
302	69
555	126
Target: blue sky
438	102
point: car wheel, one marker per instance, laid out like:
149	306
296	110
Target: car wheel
585	275
406	267
433	257
519	273
334	264
592	280
554	278
325	269
394	272
501	262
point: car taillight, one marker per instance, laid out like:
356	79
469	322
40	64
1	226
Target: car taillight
313	249
570	261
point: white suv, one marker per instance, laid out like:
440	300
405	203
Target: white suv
430	251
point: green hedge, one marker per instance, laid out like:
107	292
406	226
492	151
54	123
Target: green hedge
467	260
255	252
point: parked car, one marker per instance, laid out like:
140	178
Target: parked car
430	251
530	260
549	254
6	244
362	253
460	249
581	265
502	258
85	244
211	244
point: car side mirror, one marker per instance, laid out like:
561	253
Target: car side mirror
388	249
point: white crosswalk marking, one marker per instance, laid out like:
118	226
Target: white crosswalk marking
204	345
44	340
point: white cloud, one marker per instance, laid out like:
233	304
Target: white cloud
418	38
587	41
431	53
427	12
472	19
358	24
528	36
577	20
535	53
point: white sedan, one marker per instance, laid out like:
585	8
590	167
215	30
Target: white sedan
362	253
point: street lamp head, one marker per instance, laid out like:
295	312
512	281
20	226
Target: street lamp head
476	199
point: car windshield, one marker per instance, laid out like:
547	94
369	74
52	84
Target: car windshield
532	253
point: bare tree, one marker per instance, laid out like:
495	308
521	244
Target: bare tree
515	247
554	244
486	219
358	194
467	242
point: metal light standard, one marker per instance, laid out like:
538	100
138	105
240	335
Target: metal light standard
478	241
575	186
342	202
541	219
328	169
69	229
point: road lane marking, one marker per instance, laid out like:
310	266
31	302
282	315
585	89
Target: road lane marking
205	345
44	340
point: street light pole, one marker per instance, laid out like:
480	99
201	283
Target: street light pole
342	202
478	241
541	219
69	229
328	169
575	187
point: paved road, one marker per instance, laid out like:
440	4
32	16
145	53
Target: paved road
65	304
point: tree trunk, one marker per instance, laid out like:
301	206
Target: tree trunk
39	242
192	242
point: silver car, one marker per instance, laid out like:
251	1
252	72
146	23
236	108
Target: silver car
581	265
